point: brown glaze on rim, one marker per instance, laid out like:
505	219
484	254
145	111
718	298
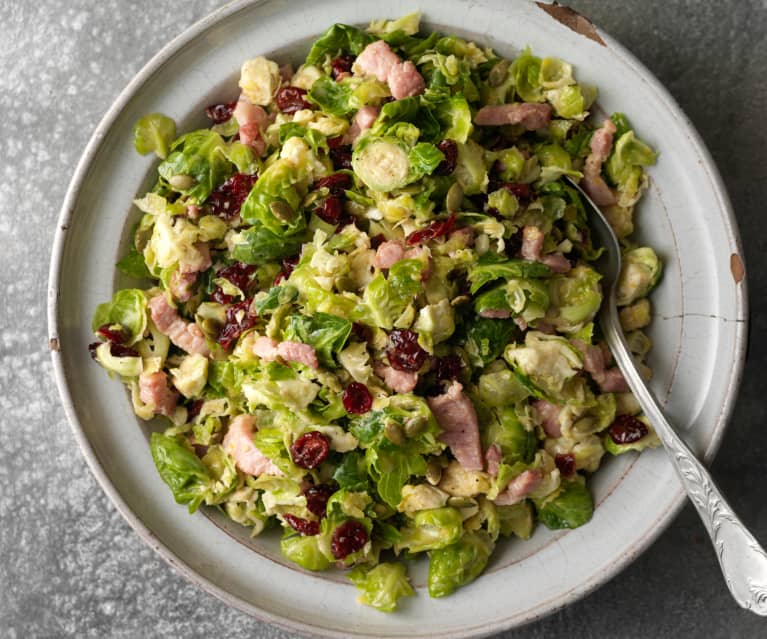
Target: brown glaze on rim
572	20
736	268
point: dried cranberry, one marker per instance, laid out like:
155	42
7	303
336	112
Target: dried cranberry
362	332
226	200
200	450
336	183
341	156
522	191
304	526
238	274
341	64
448	368
336	142
347	538
220	113
239	319
194	409
566	464
291	99
330	210
115	350
436	229
116	335
514	244
317	498
480	200
310	449
627	429
288	264
377	240
450	150
404	352
357	398
118	350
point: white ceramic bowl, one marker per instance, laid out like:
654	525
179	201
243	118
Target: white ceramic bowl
699	328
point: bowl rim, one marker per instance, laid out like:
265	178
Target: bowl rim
544	609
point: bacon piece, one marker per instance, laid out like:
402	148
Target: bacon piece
238	442
556	262
549	414
362	121
613	381
531	115
544	327
519	487
495	313
424	254
269	350
298	352
398	381
155	391
376	59
181	285
252	119
457	418
185	335
379	60
532	243
595	358
405	81
593	183
493	457
388	254
265	348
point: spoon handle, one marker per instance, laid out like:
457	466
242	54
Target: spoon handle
743	560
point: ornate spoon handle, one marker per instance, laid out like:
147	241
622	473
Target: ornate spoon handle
743	560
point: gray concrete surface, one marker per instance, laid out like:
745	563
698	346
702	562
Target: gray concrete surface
71	567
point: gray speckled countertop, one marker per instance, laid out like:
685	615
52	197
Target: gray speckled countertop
71	567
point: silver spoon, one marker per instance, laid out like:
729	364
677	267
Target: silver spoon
743	560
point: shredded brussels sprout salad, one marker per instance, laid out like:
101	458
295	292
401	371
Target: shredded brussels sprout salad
370	317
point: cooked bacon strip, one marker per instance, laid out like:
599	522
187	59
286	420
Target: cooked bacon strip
362	121
519	487
269	350
531	115
556	262
595	358
457	418
252	120
238	442
549	414
532	243
493	457
379	60
495	313
405	81
593	183
155	391
388	254
376	59
181	285
398	381
185	335
298	352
